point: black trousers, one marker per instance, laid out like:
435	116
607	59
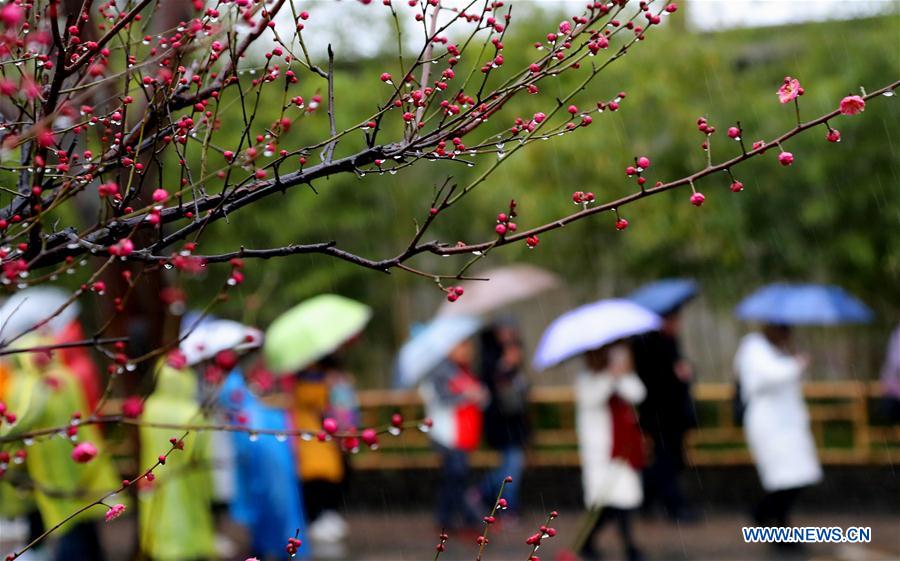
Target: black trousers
661	477
775	507
623	521
320	495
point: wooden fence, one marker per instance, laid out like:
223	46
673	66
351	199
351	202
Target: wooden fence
845	419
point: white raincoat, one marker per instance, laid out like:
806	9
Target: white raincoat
776	422
606	481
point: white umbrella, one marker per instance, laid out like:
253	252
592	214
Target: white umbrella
212	336
430	345
590	327
504	286
31	306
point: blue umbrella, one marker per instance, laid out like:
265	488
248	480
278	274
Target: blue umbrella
430	345
666	295
590	327
803	304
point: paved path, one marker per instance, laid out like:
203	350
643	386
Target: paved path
407	536
411	537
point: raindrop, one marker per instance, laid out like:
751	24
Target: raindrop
28	441
306	436
253	437
394	431
889	93
280	437
130	367
168	266
393	172
424	427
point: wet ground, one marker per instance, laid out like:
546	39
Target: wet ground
411	536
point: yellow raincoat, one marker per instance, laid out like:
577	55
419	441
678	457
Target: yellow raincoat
43	393
317	460
175	509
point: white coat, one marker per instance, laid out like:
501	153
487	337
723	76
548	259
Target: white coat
776	421
606	481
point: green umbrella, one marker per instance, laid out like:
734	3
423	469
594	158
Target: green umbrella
311	330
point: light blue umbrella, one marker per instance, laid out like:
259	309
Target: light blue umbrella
590	327
803	304
32	306
666	295
430	345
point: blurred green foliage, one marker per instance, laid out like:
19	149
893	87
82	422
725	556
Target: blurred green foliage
834	216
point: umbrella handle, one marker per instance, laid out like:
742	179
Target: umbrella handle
588	519
587	523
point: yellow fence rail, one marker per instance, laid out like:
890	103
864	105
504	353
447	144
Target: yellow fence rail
844	418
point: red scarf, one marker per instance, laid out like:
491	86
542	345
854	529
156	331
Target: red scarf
627	442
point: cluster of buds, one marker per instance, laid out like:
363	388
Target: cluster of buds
504	220
442	544
293	546
641	164
454	292
544	532
612	105
583	198
707	129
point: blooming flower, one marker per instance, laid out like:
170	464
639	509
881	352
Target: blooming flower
114	512
852	104
789	90
84	452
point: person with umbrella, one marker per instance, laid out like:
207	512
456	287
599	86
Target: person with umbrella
439	358
668	411
305	343
506	427
44	390
606	393
770	373
506	416
175	507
